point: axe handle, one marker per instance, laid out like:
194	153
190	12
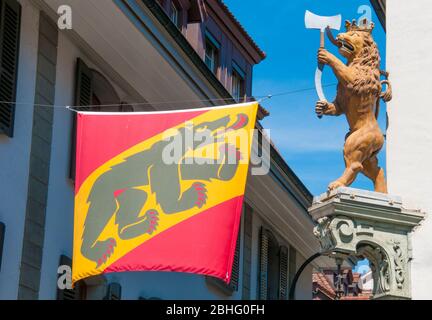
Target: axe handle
322	39
321	66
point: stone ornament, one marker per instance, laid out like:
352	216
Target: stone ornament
361	224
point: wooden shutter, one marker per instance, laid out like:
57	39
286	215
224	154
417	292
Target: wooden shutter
292	264
283	273
69	294
83	97
114	291
83	85
10	16
247	251
235	272
263	266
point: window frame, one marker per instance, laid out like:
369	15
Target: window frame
238	73
177	19
211	42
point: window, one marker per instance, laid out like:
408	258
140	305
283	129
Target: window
113	292
269	266
238	83
91	89
175	15
211	53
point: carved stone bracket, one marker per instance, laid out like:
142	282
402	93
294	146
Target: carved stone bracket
363	224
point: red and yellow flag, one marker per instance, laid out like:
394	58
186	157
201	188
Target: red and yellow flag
160	191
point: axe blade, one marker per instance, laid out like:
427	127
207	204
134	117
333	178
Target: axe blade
314	21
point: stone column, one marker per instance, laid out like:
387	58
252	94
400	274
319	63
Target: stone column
358	224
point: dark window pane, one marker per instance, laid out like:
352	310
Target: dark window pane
238	86
211	55
175	15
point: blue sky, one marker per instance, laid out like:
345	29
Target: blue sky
311	147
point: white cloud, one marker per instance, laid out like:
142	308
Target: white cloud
363	269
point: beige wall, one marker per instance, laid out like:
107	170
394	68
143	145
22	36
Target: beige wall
304	284
409	138
15	155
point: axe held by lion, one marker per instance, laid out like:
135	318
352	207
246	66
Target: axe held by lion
359	90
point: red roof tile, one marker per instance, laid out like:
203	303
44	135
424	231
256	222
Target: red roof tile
356	277
360	297
323	285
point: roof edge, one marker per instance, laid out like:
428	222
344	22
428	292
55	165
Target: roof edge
187	48
240	27
380	10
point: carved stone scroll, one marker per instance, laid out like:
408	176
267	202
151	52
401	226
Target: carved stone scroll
362	224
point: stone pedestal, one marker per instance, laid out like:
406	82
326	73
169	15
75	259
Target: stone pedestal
357	224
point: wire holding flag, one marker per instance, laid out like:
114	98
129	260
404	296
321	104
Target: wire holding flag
160	191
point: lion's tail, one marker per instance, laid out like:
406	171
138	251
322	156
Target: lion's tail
387	94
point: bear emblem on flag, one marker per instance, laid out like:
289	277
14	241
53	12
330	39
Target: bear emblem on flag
129	198
115	192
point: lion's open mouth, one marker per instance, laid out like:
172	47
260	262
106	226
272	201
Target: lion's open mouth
346	46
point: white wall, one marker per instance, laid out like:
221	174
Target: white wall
304	283
409	137
15	156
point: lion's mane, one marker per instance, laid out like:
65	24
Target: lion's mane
367	71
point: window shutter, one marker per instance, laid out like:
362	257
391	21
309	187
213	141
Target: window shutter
235	272
68	294
231	287
263	267
83	97
114	291
283	273
292	264
10	16
83	85
247	251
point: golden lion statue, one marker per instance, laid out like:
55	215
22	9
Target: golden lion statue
358	93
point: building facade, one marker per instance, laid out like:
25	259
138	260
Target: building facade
164	55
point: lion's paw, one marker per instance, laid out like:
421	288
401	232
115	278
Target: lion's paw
153	218
107	250
201	194
334	185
